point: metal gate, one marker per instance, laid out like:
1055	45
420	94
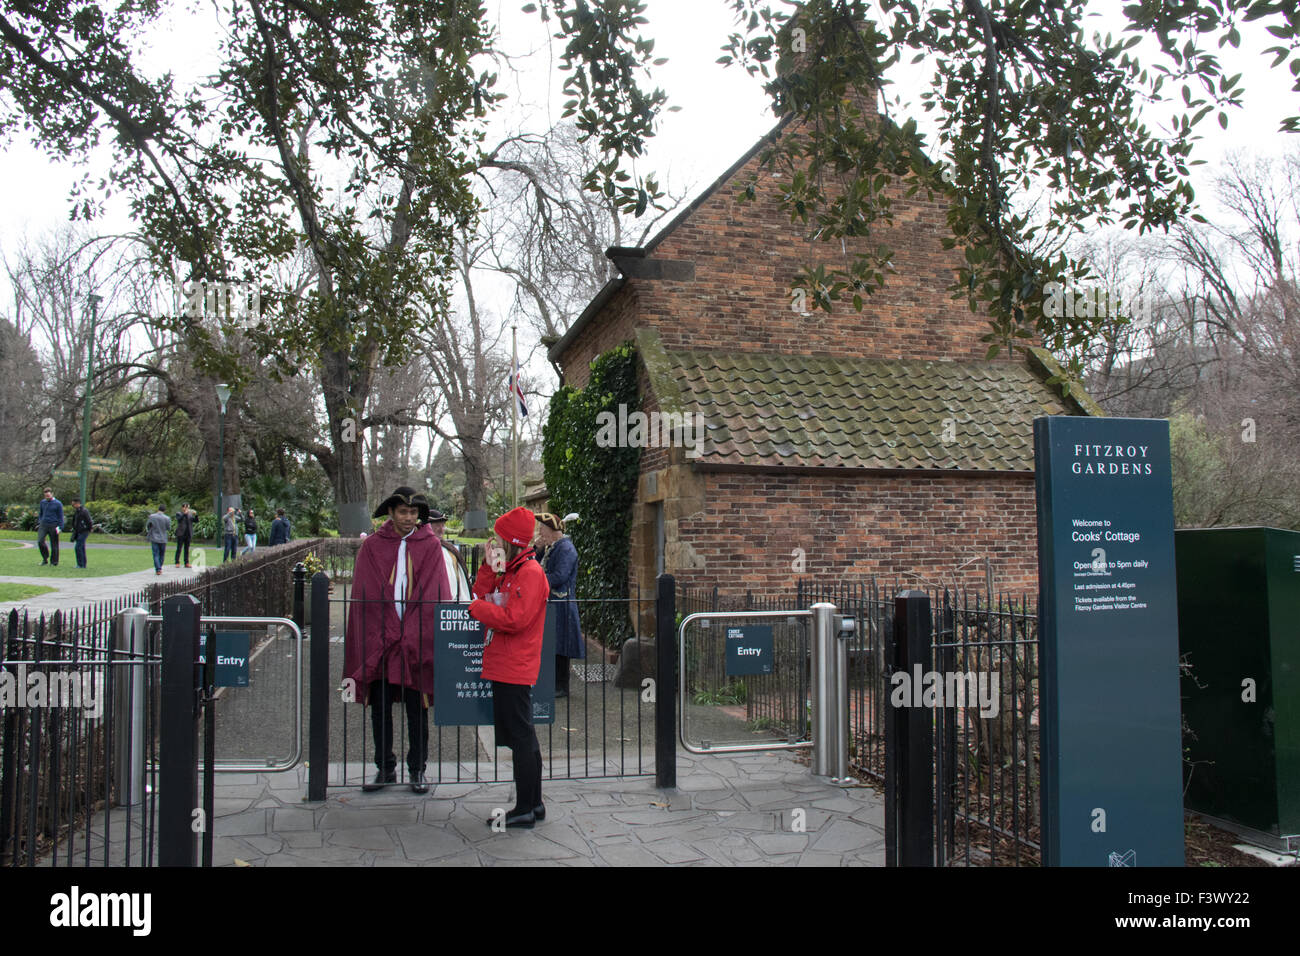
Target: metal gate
767	680
611	724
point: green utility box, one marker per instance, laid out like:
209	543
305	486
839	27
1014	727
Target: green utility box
1239	628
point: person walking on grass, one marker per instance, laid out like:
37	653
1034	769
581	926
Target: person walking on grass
250	533
82	525
49	522
184	533
156	530
231	533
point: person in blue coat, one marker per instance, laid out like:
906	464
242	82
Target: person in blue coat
49	522
560	562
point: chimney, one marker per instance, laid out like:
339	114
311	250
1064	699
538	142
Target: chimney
822	59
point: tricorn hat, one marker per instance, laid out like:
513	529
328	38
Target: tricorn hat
404	496
435	514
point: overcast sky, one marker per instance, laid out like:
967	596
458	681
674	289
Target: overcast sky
723	111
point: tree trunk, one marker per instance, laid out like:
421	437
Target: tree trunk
477	475
344	399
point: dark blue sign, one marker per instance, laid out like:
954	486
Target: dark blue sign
232	657
461	695
749	650
1108	620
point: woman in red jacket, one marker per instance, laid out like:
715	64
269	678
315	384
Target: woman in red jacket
511	593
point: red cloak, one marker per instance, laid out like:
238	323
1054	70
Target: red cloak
379	644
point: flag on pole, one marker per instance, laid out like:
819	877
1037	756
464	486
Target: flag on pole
517	387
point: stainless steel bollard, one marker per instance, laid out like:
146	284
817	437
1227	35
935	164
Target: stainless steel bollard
823	688
128	706
830	680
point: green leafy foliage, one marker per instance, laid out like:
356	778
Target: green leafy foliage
1040	132
599	484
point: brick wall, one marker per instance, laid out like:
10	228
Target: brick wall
745	257
881	525
612	327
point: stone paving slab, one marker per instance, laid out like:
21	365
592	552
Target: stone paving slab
741	810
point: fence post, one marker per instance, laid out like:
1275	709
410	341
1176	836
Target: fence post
909	753
665	684
128	708
946	764
318	746
178	733
8	756
299	586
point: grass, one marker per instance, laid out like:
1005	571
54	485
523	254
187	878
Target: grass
21	592
26	562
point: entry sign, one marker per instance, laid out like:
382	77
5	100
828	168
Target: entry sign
1108	619
749	650
232	657
461	696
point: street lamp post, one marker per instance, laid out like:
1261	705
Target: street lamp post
94	301
223	396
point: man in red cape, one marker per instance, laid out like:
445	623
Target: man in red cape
398	579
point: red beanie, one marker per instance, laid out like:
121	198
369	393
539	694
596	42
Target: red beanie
516	526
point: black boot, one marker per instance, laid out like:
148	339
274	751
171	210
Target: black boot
381	778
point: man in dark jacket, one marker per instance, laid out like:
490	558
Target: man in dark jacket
184	533
49	522
279	528
82	524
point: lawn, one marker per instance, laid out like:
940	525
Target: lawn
26	562
20	592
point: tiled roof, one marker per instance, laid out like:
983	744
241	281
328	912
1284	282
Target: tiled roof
770	410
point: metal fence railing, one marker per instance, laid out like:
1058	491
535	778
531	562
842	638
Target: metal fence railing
986	777
603	727
65	679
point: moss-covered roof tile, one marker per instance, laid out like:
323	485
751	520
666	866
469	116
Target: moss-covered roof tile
772	410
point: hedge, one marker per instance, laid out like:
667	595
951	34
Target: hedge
599	484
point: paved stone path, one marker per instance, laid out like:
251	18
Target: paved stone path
761	809
74	592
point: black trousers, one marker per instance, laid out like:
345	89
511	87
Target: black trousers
381	697
182	542
50	554
562	673
512	713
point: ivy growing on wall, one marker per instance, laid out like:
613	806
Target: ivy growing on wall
599	484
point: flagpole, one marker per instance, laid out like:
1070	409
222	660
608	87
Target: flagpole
514	414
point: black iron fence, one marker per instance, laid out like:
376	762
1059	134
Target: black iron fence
977	680
65	679
605	726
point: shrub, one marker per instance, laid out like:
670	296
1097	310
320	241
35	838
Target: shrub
18	517
205	526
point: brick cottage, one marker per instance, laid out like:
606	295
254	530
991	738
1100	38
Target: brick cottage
838	446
